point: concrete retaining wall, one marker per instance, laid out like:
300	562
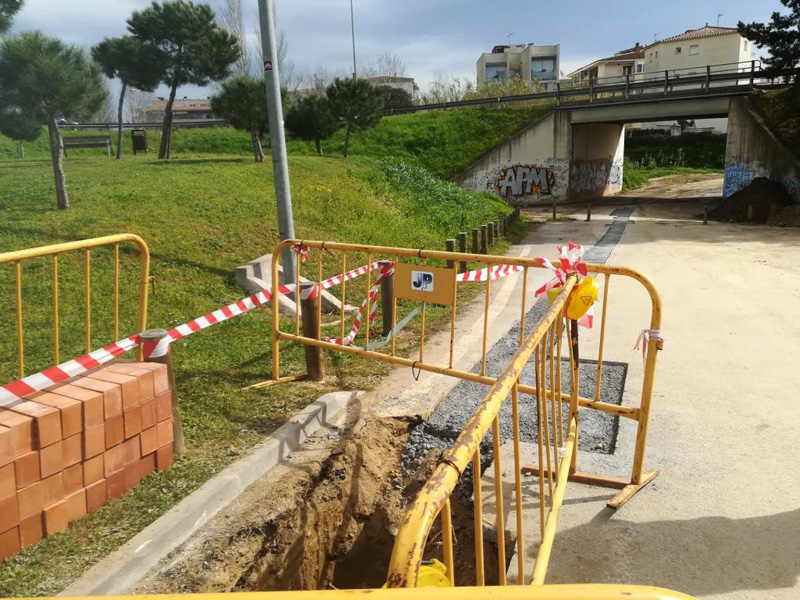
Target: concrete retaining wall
550	161
754	151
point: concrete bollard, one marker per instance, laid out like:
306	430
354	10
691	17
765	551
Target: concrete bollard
153	336
450	246
387	299
484	239
462	247
315	363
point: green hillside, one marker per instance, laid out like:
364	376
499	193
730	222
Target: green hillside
202	217
444	142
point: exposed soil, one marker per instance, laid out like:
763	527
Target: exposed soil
767	199
321	524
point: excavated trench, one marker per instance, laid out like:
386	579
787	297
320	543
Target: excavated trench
328	518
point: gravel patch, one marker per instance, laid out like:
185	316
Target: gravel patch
597	431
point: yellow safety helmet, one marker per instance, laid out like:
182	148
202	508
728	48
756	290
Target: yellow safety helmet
582	298
433	574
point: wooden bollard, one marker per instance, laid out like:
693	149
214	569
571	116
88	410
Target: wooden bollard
490	233
450	246
496	225
387	299
315	363
503	226
476	248
555	215
462	247
749	213
153	336
705	214
484	239
588	213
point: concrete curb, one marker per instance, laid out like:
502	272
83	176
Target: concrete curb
120	571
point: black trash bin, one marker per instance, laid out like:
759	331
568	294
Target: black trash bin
139	139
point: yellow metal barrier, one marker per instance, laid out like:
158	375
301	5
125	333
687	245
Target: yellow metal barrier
544	346
324	252
85	246
550	592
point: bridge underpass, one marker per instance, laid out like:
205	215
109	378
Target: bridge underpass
576	152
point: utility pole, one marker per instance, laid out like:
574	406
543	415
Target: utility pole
280	165
353	33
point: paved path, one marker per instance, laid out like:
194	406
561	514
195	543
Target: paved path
723	519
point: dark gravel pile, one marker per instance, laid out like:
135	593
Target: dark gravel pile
767	198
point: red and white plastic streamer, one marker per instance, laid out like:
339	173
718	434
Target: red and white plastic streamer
570	261
372	296
494	272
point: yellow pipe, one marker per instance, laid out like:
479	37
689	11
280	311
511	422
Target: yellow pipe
88	292
447	543
602	339
478	517
543	557
56	350
518	484
498	503
20	335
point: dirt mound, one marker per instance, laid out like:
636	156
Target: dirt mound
767	198
789	216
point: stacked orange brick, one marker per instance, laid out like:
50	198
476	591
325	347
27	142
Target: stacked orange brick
67	451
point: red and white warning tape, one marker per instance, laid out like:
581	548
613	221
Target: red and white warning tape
17	390
372	296
494	272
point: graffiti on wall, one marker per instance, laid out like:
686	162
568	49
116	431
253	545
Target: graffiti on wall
738	177
595	177
526	180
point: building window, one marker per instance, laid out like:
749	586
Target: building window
627	69
651	57
745	45
495	73
543	68
656	54
694	50
640	68
677	49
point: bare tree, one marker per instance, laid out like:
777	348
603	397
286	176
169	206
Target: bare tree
447	88
390	65
231	18
137	102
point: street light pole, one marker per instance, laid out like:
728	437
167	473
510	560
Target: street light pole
353	32
280	166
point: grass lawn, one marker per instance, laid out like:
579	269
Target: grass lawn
202	216
445	142
633	179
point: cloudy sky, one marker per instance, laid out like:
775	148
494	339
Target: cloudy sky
430	36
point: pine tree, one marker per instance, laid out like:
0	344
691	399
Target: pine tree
19	127
242	101
780	36
197	49
311	118
136	64
45	78
356	103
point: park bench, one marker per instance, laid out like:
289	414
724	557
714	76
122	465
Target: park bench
87	141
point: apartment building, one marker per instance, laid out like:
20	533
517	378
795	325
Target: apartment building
529	62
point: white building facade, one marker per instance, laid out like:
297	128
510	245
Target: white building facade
527	61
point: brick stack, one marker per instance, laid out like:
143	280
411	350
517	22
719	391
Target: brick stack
67	451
